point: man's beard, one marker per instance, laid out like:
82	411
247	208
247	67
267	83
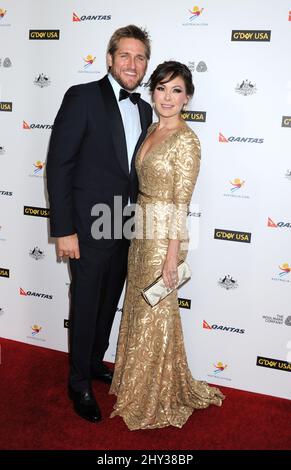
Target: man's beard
123	84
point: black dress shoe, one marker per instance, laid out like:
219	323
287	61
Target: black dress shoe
85	405
103	373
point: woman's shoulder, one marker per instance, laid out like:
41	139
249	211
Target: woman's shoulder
188	136
188	132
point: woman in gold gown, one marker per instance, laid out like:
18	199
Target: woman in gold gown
152	381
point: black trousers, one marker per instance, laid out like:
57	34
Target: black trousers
97	282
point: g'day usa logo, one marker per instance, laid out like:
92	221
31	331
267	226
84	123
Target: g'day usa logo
44	34
4	272
198	116
36	211
6	106
232	235
251	35
286	121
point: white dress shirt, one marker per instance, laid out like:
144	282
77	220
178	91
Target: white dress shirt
130	118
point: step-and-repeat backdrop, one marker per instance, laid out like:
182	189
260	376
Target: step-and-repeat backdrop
236	308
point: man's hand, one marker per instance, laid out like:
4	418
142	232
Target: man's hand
68	246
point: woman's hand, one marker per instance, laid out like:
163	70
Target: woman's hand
170	272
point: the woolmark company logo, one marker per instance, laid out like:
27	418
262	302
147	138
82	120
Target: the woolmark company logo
246	88
286	121
251	35
200	67
6	63
2	150
237	139
6	106
232	235
228	282
198	116
42	81
36	253
36	211
287	174
277	319
44	34
78	18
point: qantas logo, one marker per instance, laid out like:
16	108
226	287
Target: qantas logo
27	126
230	329
90	17
248	140
34	294
273	224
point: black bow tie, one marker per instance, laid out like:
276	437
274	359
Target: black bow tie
134	97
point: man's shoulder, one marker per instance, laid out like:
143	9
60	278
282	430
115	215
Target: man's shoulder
84	88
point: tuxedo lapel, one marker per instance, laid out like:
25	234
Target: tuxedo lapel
115	122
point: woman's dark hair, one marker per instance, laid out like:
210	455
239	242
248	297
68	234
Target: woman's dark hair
170	70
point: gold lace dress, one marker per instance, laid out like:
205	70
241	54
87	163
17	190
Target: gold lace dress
152	381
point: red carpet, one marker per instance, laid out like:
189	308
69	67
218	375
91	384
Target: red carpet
36	414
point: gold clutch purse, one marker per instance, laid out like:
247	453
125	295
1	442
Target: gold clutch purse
157	290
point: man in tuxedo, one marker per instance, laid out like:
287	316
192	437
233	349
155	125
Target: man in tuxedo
96	134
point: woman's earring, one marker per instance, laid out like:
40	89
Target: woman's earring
184	107
154	106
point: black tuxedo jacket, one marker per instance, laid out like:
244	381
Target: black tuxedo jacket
87	159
